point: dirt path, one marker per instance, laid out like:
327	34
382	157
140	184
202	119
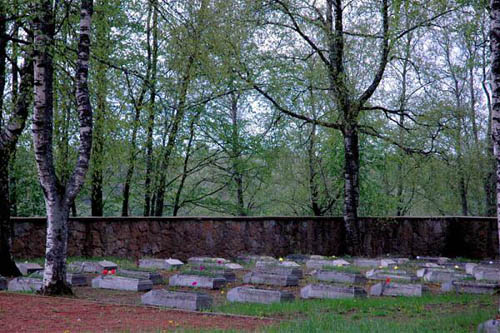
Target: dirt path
30	313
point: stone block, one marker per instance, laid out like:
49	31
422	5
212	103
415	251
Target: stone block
156	278
77	279
421	272
164	264
491	326
436	260
280	270
197	281
233	266
91	266
394	275
443	276
395	289
363	262
194	301
271	279
28	268
248	259
207	260
3	283
121	283
469	268
470	287
320	263
342	277
252	295
331	291
24	284
487	274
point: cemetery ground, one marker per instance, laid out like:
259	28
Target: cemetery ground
94	309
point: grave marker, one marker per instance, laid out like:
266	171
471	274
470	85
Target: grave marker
331	291
121	283
164	264
28	268
395	289
194	301
443	276
197	281
24	284
342	277
470	287
271	279
156	278
253	295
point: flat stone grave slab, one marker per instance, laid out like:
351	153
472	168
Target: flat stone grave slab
490	326
364	262
337	276
164	264
197	281
436	260
396	289
331	291
194	301
487	274
156	278
91	266
469	267
470	287
233	266
421	272
429	265
443	276
490	262
394	275
271	279
3	283
77	279
263	296
321	263
250	258
213	271
121	283
73	279
401	261
280	270
24	284
27	268
207	260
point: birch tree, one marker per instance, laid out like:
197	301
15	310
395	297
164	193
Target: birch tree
495	89
59	197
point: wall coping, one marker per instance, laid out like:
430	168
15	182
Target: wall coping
39	219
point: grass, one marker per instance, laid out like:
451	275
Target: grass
442	313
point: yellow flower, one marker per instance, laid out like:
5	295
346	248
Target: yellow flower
396	267
222	291
281	259
381	266
170	321
456	266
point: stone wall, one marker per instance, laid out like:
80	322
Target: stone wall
182	237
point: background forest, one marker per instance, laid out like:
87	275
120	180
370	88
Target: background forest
216	107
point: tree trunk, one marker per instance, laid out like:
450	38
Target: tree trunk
236	155
313	186
59	199
351	189
495	85
151	116
172	137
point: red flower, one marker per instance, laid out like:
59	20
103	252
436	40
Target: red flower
105	272
194	283
219	262
113	271
202	268
388	280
